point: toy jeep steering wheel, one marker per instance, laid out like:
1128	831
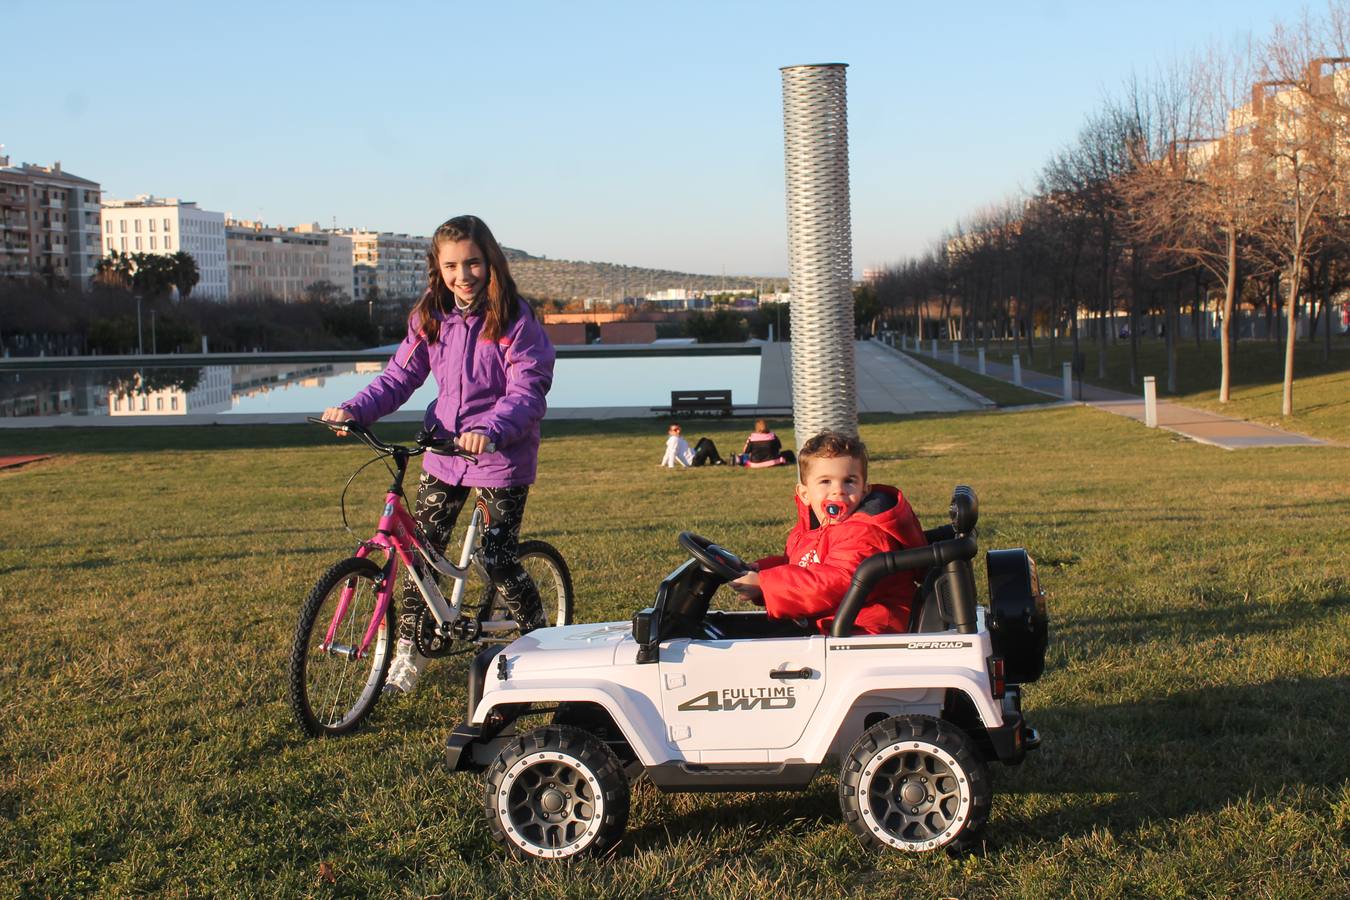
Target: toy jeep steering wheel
717	560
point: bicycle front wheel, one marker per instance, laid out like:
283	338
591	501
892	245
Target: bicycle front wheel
334	686
548	570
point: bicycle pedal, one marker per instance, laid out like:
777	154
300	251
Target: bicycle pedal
466	629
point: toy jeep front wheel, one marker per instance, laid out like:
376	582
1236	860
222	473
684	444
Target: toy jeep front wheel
915	783
556	792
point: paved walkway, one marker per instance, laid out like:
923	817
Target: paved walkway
887	382
1198	425
13	462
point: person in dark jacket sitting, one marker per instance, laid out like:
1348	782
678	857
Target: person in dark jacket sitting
763	449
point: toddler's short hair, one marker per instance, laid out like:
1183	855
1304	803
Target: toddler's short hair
828	445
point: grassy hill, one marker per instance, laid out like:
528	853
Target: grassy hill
562	279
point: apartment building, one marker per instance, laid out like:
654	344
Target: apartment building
282	262
166	225
394	263
49	223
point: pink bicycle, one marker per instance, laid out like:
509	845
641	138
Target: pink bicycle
345	638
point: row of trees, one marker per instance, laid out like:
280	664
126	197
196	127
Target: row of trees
1223	180
37	318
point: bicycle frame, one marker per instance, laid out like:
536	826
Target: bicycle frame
397	537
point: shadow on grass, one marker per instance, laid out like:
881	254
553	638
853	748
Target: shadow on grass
1186	754
1222	616
1119	767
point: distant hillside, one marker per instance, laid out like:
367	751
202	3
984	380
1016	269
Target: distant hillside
561	279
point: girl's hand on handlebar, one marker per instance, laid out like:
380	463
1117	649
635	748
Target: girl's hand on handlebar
473	442
337	414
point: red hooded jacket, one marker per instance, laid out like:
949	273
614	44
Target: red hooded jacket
810	580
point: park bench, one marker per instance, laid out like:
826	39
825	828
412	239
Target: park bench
694	402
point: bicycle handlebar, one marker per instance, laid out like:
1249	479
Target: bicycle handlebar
426	441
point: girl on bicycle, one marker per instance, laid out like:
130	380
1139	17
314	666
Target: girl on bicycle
493	365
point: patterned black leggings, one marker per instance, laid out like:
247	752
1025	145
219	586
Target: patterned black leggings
438	506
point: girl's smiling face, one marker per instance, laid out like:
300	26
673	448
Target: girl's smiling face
462	269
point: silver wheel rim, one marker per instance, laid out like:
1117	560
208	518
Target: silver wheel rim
914	795
330	676
548	580
552	596
550	805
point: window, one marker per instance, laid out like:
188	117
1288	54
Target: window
152	225
122	225
124	245
166	224
108	226
138	226
152	240
145	403
110	245
138	243
168	242
159	403
173	402
117	403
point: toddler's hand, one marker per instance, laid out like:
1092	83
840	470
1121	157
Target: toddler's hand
747	586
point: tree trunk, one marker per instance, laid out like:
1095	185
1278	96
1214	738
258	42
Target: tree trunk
1291	312
1326	315
1229	298
1173	315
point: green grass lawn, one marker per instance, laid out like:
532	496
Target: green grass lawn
1195	709
1321	387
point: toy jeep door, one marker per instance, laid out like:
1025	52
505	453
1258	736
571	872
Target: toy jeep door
740	694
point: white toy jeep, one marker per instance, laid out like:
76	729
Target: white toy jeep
707	700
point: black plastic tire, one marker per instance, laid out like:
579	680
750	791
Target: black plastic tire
553	579
915	783
331	692
556	792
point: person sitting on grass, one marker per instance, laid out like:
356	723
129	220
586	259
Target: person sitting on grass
841	521
763	449
679	453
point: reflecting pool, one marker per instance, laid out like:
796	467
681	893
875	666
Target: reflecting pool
304	384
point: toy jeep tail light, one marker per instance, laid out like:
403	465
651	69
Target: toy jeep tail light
998	682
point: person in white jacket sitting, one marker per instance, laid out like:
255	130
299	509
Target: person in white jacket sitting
678	451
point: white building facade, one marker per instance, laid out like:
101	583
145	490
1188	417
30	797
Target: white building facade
165	225
284	263
396	264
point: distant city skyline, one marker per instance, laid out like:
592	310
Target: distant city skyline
625	133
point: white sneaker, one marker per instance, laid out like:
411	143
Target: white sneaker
405	669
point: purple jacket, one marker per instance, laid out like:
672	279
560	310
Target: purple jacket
494	388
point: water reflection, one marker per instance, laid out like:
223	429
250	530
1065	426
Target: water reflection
303	388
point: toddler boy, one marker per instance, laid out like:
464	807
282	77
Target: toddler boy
841	520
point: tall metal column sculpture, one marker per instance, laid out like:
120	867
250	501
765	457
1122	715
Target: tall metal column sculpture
820	249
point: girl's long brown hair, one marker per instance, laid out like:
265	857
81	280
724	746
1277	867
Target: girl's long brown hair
501	299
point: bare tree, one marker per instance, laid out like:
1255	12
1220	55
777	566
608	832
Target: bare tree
1298	117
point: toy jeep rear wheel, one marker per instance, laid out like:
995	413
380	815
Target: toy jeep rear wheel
915	783
556	792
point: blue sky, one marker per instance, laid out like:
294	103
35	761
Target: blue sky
638	133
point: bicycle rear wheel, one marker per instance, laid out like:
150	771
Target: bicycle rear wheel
547	568
332	688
